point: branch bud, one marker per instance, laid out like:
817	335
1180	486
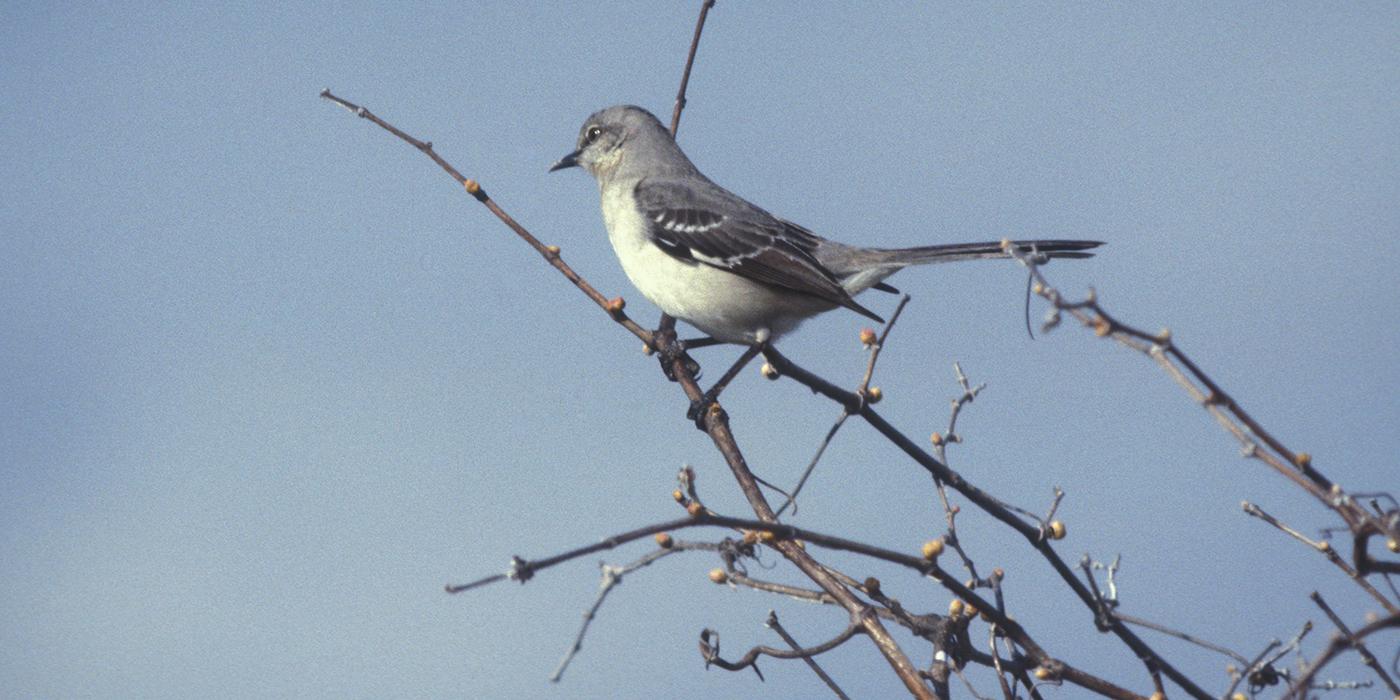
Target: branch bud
873	394
1057	530
769	372
867	337
955	607
933	548
718	575
663	540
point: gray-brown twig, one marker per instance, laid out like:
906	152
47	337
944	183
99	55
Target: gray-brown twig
1356	643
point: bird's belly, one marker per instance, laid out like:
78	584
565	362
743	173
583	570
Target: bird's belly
722	304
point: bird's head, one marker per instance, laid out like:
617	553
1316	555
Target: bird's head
623	137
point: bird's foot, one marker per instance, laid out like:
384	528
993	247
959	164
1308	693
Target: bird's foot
676	350
707	403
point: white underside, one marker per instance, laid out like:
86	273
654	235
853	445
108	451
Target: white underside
722	304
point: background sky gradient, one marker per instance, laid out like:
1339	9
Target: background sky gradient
269	379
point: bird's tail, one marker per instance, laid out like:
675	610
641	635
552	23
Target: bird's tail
862	268
972	251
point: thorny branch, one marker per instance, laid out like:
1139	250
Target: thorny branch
784	536
1256	442
1034	534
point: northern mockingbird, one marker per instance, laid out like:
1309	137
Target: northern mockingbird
725	266
712	259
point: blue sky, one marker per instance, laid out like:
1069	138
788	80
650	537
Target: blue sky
268	379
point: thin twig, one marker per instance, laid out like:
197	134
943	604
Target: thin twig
880	345
1251	666
812	465
689	62
612	576
863	390
709	649
1356	643
940	443
996	663
1326	549
1337	645
1140	622
773	624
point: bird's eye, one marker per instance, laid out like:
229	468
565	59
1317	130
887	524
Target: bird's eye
592	134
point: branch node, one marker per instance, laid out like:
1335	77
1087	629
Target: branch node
520	570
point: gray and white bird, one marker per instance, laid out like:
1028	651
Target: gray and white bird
710	258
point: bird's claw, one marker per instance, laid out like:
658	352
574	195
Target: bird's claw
675	350
698	408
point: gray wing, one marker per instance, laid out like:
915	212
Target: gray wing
712	227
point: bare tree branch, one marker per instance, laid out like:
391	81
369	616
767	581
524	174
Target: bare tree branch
705	6
1355	642
773	624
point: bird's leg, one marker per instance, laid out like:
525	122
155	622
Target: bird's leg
698	408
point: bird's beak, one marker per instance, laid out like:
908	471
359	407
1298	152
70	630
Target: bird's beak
569	161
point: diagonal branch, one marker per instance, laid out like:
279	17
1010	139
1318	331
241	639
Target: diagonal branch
689	62
1295	466
993	507
1356	643
551	253
773	624
1327	550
